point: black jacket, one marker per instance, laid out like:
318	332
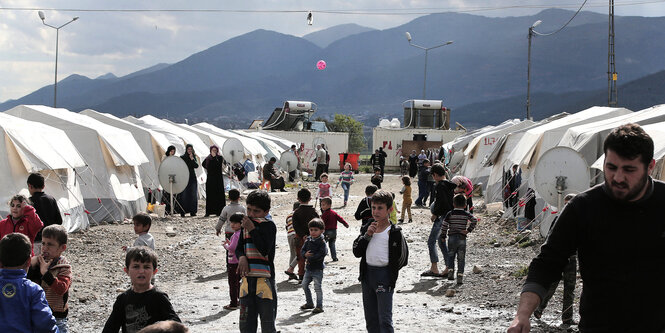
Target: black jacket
398	251
47	209
319	251
364	211
621	251
301	218
444	197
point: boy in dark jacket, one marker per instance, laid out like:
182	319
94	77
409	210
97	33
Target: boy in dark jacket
314	250
45	205
301	217
364	210
379	268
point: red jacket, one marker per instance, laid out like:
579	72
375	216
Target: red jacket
330	219
29	224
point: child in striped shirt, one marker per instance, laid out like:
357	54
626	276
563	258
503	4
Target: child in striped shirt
346	178
456	224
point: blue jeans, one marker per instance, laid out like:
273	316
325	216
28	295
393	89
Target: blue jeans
62	325
316	276
422	192
378	300
346	187
456	247
434	239
252	306
331	236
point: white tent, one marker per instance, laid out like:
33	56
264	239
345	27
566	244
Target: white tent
537	141
460	143
34	147
152	143
272	148
281	142
657	133
588	139
201	149
173	139
207	137
110	182
480	147
252	147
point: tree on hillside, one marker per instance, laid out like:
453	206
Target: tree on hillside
343	123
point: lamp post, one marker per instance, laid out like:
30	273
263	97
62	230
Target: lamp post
528	72
57	35
408	37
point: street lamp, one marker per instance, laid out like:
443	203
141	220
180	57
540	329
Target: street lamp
528	72
408	37
57	33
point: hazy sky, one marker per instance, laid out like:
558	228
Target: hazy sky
107	38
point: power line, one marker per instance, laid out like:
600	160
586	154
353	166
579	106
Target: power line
565	25
367	11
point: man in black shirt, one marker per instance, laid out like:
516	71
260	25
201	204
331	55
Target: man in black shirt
618	232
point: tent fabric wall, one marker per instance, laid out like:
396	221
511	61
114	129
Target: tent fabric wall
110	181
33	147
252	147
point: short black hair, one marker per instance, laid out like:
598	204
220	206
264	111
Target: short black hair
383	197
234	194
630	141
304	195
57	232
141	254
296	205
459	201
326	200
142	219
273	159
406	180
19	197
167	326
15	250
259	199
377	169
425	160
236	217
370	189
316	223
36	180
438	169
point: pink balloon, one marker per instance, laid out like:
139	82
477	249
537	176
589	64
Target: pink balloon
321	65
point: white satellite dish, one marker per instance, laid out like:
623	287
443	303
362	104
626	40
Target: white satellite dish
560	171
173	175
318	141
288	161
233	151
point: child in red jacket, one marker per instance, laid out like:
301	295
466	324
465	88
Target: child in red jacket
22	219
330	219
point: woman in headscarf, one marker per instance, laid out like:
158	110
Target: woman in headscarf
413	164
215	197
166	197
189	197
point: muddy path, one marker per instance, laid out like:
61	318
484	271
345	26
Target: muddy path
192	271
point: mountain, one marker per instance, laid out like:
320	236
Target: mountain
635	95
371	73
325	37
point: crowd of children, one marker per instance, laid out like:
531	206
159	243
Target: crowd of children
42	278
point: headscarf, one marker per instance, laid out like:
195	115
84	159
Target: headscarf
169	149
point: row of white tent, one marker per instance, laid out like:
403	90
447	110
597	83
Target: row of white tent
486	154
100	167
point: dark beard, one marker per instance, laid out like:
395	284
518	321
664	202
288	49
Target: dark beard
631	195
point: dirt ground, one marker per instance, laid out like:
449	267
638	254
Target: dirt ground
192	271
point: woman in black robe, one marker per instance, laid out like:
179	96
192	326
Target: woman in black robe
413	164
189	197
215	197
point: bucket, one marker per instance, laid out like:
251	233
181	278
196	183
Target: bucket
160	210
523	223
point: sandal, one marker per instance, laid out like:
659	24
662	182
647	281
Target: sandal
230	307
292	276
430	273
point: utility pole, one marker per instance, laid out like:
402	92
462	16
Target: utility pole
611	65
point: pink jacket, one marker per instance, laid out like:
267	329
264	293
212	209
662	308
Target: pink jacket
231	248
29	224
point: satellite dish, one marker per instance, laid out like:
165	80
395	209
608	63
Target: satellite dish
560	171
288	161
318	141
233	151
173	175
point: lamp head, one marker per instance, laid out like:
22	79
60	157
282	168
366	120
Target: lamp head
449	42
41	15
408	36
537	23
75	18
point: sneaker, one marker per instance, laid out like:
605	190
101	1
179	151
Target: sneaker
538	313
307	307
344	204
230	307
460	277
335	259
451	274
410	220
317	310
400	220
